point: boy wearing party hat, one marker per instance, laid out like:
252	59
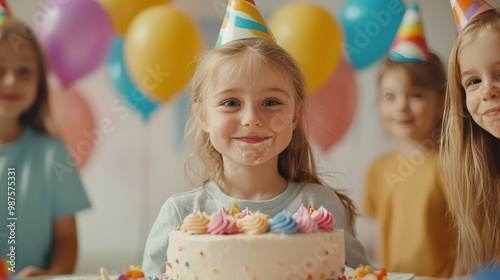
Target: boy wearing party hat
248	96
403	190
471	134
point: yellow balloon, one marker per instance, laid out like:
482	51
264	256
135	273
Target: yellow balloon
160	50
312	36
122	12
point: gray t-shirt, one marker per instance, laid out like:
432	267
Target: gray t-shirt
211	198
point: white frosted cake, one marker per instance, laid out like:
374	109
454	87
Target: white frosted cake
252	246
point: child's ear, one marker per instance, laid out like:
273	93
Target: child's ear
296	114
200	117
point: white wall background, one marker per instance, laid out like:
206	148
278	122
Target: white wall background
137	166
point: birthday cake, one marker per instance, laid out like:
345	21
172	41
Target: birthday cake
248	245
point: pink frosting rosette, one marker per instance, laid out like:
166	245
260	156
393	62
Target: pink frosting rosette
222	223
324	219
304	221
244	213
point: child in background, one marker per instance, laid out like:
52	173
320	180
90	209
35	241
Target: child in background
470	148
38	234
248	102
403	190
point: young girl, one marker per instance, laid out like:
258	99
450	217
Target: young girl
248	101
470	148
38	233
404	193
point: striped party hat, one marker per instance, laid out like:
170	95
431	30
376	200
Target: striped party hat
409	44
4	11
243	21
465	10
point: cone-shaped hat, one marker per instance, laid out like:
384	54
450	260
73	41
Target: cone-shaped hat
4	12
243	21
465	10
409	44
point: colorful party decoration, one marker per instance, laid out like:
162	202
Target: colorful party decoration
465	10
160	50
72	119
243	21
331	110
120	79
4	12
369	28
410	44
312	36
123	12
77	37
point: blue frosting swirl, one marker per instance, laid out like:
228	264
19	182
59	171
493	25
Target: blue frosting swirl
283	223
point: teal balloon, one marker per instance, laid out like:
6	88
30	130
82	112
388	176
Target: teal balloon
369	28
131	94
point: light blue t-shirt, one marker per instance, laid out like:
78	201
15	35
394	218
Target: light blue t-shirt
212	198
44	185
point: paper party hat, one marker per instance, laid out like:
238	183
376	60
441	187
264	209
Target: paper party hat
409	44
465	10
243	21
4	12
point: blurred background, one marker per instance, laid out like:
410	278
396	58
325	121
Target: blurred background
119	69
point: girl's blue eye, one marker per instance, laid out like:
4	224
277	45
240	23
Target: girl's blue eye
271	102
472	82
231	103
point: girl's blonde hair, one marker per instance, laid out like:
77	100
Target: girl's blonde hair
296	163
18	34
470	163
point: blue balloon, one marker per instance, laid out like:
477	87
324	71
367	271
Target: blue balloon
369	28
120	78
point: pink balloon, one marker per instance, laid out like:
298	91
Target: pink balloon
76	35
74	122
331	109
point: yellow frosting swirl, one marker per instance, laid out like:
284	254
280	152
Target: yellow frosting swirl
257	223
195	223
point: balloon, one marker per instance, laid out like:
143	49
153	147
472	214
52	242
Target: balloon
76	37
369	28
123	12
132	95
312	36
332	108
74	122
160	48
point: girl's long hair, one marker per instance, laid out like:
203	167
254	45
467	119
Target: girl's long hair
296	163
470	163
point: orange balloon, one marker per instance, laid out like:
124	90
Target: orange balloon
123	12
312	36
73	121
332	108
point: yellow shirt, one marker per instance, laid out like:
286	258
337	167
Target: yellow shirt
407	197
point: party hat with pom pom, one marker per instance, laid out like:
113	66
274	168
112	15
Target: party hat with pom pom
465	10
409	44
243	21
4	12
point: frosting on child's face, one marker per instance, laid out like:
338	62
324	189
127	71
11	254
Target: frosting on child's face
250	117
18	79
480	77
408	112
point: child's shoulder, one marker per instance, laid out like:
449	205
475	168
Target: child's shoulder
42	140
